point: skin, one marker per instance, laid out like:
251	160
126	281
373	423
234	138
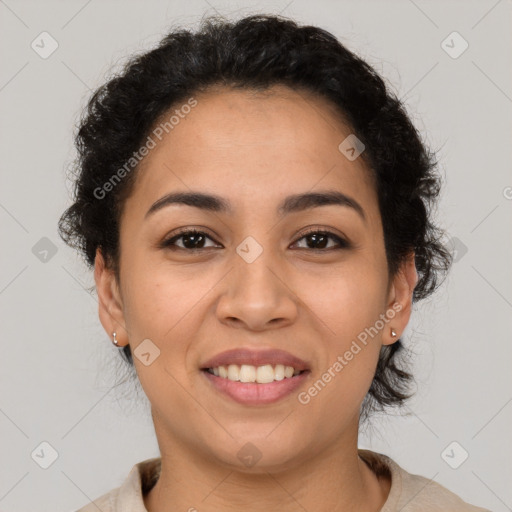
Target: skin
254	150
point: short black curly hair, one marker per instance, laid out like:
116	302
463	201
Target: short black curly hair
255	53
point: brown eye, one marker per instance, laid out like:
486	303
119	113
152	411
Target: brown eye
190	240
319	240
194	240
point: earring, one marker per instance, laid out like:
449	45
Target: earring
393	333
115	339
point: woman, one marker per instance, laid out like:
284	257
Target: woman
256	207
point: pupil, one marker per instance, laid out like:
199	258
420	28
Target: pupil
314	237
193	237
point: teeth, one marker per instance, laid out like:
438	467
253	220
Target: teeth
249	373
279	372
233	372
264	374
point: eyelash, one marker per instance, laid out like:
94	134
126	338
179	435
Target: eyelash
170	242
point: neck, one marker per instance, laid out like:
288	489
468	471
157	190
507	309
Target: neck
334	480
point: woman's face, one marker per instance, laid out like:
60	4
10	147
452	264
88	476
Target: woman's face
256	281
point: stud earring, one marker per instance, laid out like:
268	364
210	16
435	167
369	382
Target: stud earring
393	333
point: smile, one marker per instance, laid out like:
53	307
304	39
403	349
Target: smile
255	377
249	373
250	392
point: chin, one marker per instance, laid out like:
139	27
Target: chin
255	453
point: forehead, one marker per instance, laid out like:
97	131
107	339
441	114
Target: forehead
279	116
252	144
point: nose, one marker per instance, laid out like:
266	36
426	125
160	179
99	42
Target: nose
257	296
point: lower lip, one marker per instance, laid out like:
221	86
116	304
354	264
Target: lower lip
252	393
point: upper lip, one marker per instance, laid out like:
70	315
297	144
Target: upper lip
255	358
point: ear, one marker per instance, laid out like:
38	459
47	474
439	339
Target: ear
109	298
400	300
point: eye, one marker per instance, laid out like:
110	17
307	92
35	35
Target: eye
192	239
320	239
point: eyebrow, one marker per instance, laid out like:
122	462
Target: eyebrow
291	204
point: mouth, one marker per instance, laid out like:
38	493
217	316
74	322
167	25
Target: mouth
255	377
249	373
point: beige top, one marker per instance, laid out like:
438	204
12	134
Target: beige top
408	493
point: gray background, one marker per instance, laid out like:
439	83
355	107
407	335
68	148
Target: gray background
59	371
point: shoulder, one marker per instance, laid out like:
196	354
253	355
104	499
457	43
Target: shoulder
130	495
103	503
414	493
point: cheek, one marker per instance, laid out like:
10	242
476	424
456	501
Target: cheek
350	300
160	308
157	297
349	309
